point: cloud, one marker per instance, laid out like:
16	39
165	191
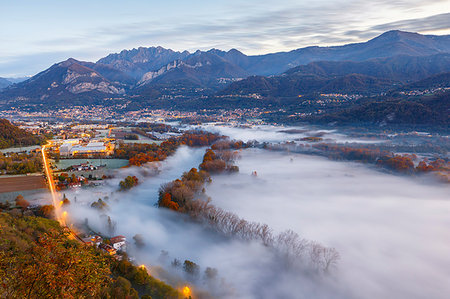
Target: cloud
254	28
422	25
436	22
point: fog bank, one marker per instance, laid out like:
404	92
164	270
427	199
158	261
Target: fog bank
391	231
245	269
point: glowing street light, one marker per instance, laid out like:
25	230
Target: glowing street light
186	292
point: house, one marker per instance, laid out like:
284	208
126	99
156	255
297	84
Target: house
93	240
108	248
119	243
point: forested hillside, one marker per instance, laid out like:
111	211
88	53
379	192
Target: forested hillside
10	135
432	110
39	260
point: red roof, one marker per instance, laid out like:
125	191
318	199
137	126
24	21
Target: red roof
117	239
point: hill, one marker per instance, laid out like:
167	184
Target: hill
423	110
297	85
38	259
11	136
441	80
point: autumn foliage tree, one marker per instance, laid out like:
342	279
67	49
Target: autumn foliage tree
167	202
38	260
397	162
139	154
22	202
128	183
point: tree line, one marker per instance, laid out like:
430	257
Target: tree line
402	163
20	163
139	154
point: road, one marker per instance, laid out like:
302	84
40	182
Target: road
51	184
59	214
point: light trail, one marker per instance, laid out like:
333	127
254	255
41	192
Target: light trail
61	217
51	184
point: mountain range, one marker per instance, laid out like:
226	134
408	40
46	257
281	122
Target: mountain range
365	77
392	59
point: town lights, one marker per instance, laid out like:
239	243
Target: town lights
186	292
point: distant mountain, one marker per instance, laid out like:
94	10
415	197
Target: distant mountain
389	44
367	77
139	61
70	79
17	79
136	62
198	70
400	68
390	60
4	83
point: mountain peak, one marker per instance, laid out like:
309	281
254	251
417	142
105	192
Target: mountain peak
395	35
68	62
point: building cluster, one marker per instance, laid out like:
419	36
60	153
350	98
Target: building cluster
57	121
93	147
420	92
84	167
114	245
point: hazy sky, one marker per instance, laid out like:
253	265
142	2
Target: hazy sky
36	34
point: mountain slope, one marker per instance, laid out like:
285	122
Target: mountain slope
67	80
204	70
136	62
296	85
441	80
401	68
4	83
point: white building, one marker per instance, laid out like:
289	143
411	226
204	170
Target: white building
64	150
94	147
119	243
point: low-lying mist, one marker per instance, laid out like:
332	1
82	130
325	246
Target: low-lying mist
275	134
391	231
245	269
